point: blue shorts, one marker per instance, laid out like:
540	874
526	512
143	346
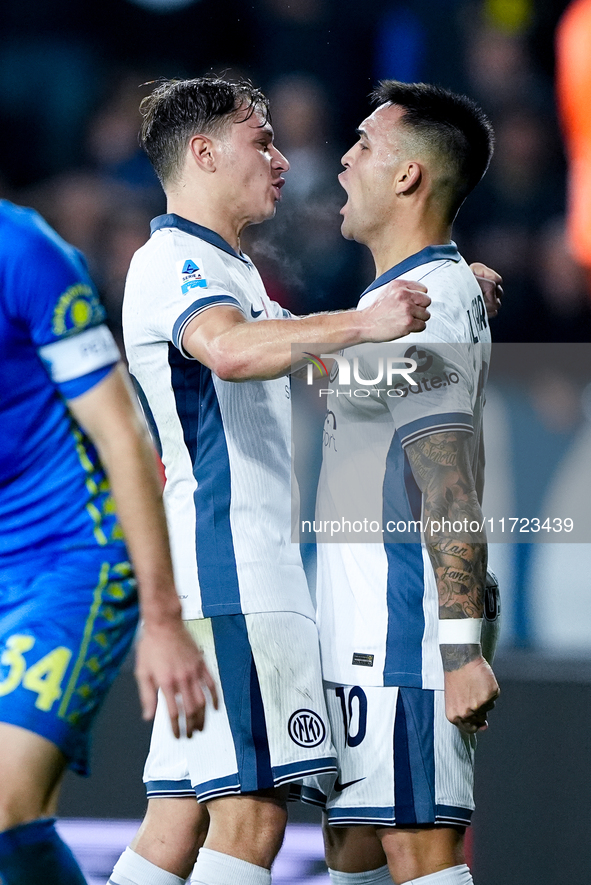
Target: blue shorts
66	624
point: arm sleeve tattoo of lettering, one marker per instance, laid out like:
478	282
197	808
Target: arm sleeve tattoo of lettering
441	467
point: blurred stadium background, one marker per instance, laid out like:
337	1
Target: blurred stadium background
70	85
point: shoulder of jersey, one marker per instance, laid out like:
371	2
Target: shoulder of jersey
195	251
162	252
452	288
24	230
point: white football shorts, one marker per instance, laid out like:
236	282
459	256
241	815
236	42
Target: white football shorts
401	762
271	727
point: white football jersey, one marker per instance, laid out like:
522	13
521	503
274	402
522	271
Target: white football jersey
226	446
377	603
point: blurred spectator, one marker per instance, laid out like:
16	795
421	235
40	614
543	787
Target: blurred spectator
295	35
121	235
499	68
328	40
47	87
112	146
302	254
400	45
419	41
511	18
75	203
525	157
300	109
562	283
107	221
503	220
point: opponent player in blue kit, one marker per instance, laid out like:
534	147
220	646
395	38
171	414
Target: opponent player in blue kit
77	475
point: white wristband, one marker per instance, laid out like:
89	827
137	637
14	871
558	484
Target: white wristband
460	631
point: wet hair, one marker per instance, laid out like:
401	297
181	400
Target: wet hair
176	110
451	125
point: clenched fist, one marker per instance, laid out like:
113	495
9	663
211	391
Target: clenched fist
470	692
400	309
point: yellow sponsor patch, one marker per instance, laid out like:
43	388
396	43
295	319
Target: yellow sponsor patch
78	307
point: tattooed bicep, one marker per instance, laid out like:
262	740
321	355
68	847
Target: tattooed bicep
439	457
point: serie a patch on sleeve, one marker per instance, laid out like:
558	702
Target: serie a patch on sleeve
191	275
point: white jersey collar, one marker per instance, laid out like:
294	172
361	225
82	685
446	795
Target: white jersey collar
196	230
448	252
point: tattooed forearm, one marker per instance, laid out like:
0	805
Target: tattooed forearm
441	467
460	593
438	450
455	656
454	547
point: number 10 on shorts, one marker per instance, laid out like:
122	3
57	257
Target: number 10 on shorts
354	709
44	677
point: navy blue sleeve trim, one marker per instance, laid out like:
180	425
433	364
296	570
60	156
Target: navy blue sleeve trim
415	430
196	308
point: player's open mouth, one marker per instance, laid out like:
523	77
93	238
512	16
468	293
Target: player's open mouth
340	179
277	185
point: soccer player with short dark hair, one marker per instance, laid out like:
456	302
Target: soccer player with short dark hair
401	619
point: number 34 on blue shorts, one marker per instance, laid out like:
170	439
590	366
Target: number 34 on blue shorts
66	624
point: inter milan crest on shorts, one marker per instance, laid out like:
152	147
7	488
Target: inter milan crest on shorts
306	728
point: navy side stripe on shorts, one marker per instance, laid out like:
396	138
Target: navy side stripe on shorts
414	757
242	696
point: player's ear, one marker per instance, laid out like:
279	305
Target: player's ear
202	151
408	178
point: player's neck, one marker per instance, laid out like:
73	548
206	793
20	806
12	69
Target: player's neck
398	241
207	215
